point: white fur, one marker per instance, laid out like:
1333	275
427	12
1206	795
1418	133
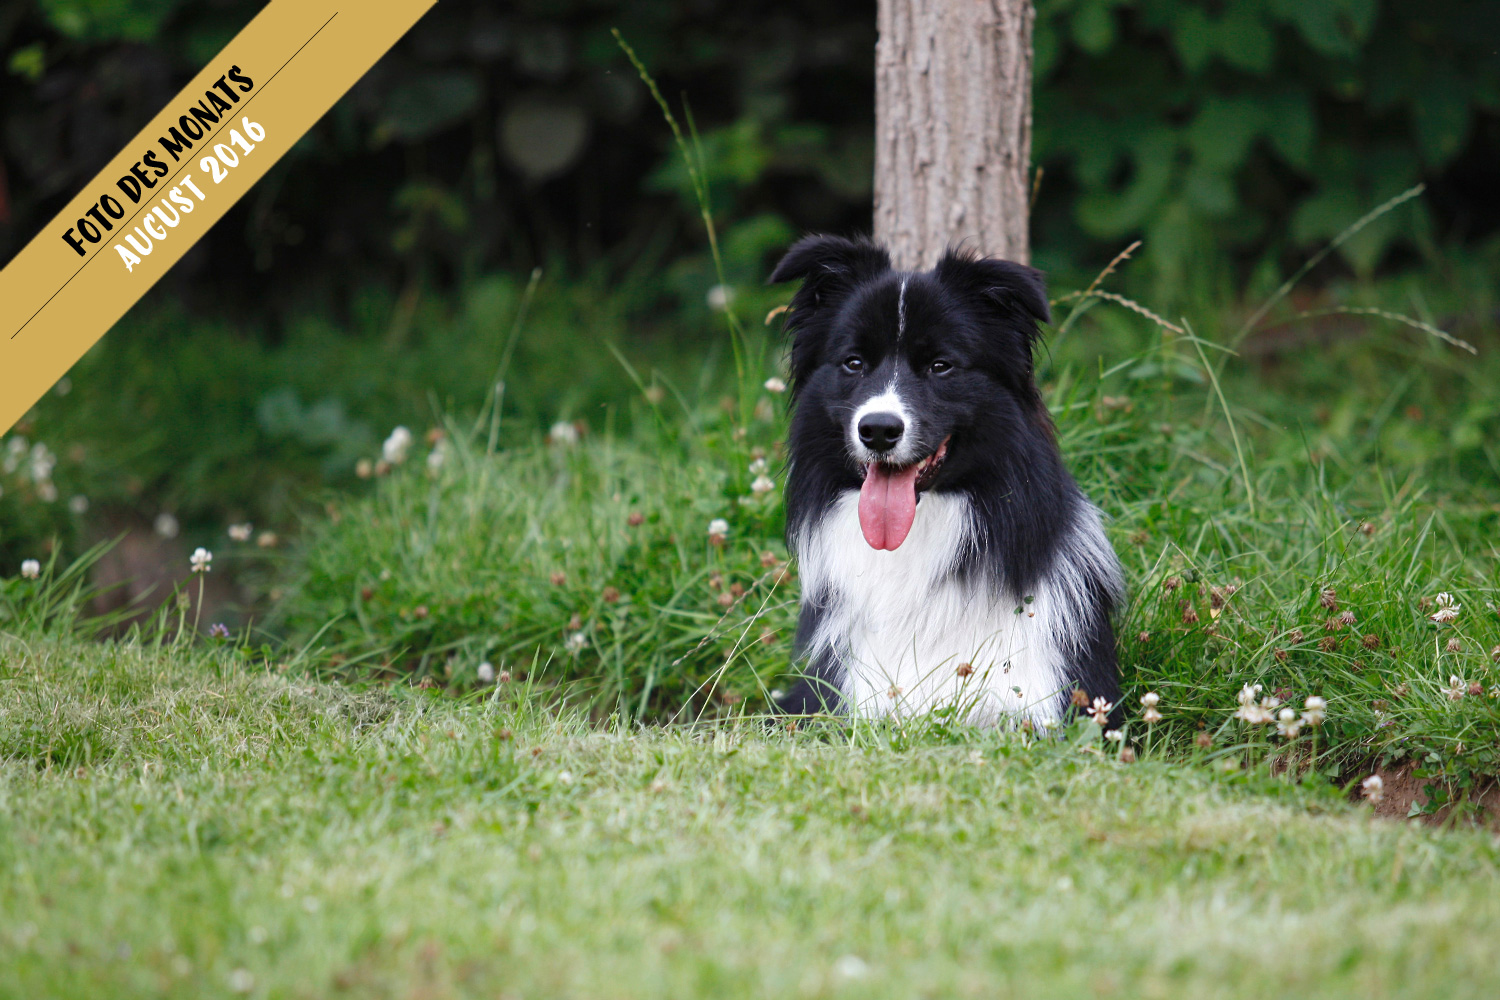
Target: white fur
901	623
901	312
889	401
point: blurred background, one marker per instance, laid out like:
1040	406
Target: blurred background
373	277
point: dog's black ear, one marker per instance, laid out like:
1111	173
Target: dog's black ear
829	266
1018	290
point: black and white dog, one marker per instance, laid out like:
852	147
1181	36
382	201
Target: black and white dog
947	557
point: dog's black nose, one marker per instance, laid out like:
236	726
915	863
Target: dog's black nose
880	431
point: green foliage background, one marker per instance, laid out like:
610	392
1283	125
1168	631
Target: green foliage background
1229	135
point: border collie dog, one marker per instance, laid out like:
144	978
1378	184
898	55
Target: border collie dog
947	556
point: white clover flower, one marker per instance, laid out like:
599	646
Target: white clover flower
775	385
1150	699
78	504
1114	736
1374	788
563	432
1314	710
31	569
851	967
1447	609
47	491
166	525
437	456
395	448
1247	695
15	450
241	532
201	560
1456	688
576	642
718	526
1151	716
42	463
566	777
1287	724
1255	714
719	297
759	467
364	468
762	484
1100	710
486	673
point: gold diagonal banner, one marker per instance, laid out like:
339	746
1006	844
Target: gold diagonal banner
178	177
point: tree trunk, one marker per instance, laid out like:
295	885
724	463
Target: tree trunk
952	127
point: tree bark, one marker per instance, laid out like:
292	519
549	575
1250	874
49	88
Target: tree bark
952	127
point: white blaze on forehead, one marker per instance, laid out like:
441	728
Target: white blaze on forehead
901	311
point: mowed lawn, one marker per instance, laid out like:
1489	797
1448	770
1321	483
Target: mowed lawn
176	823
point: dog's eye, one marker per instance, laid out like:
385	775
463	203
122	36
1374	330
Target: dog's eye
854	364
940	367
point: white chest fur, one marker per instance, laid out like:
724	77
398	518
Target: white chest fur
912	636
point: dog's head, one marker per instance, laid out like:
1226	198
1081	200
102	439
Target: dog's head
909	381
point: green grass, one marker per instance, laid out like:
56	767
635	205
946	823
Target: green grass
1232	528
179	822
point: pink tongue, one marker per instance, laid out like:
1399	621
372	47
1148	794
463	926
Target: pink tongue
887	505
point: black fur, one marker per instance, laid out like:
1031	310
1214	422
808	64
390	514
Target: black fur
980	316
